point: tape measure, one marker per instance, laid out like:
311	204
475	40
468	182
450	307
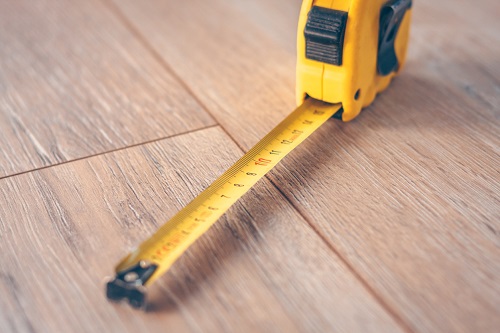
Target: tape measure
348	51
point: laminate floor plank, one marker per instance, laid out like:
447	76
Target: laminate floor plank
408	193
261	268
75	82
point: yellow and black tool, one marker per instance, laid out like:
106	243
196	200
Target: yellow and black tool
348	51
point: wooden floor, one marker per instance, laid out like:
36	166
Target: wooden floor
116	113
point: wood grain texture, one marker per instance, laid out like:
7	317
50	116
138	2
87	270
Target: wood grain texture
408	194
75	82
259	269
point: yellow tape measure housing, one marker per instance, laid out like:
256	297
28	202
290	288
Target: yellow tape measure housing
355	81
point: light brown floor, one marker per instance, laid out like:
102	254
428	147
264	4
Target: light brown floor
115	113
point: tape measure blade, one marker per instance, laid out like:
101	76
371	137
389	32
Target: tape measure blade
172	239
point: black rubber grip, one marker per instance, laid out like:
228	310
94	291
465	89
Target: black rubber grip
324	33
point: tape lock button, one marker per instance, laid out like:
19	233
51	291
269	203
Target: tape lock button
324	33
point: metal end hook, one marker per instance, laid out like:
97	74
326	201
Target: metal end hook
129	284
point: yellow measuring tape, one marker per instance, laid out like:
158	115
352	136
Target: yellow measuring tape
157	254
329	69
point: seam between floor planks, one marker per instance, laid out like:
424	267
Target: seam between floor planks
69	103
109	151
371	290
